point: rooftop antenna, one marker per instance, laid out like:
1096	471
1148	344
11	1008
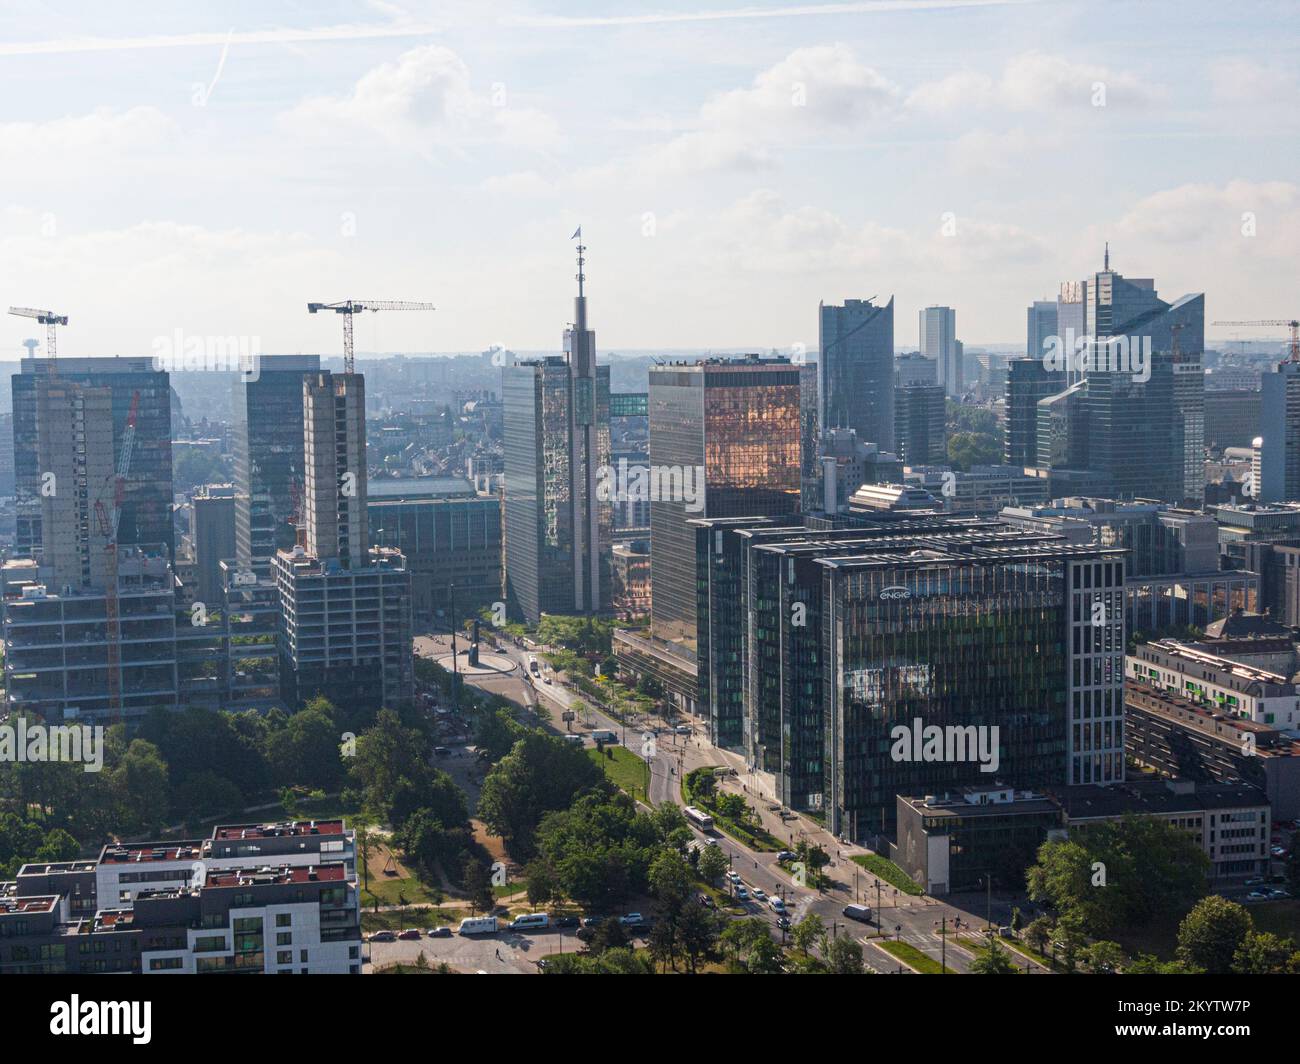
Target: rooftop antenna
1107	258
577	235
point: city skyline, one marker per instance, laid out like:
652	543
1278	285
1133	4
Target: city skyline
127	207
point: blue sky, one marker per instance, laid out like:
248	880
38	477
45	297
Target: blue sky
211	168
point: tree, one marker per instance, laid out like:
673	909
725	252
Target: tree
1212	932
809	932
1104	956
844	956
1038	933
540	774
992	960
697	934
477	885
713	864
1264	953
140	782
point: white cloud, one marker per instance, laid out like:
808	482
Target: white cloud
815	92
60	145
1034	81
425	99
1242	80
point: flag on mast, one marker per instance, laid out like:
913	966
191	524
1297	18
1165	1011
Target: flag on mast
577	234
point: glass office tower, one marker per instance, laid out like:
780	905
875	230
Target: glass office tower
855	383
724	442
269	450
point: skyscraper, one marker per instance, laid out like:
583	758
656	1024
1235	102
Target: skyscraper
1028	381
939	342
1043	317
268	439
557	456
855	384
1278	479
334	482
146	517
345	608
919	424
724	442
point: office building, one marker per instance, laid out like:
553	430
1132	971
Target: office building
345	607
1043	318
846	464
558	517
980	490
212	537
268	445
914	368
450	536
136	392
724	442
1180	738
939	342
920	434
1230	822
1028	382
855	386
1279	432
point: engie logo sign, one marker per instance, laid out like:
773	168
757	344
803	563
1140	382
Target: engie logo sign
894	593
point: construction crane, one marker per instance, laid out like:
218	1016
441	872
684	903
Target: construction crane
350	307
1275	323
108	528
50	320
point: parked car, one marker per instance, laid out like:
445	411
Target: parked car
734	876
1258	881
565	921
409	933
439	932
758	893
382	936
742	894
1278	893
1256	895
786	855
1279	851
441	751
683	729
706	901
631	919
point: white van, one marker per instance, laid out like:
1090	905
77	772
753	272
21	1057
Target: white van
478	925
776	905
530	922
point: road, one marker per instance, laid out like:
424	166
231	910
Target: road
916	920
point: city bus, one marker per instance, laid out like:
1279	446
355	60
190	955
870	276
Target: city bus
699	818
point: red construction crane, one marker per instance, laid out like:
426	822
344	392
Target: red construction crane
354	306
49	319
1275	323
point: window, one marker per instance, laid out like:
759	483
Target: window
283	919
284	938
284	956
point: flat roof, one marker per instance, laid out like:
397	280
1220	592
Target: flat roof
1090	801
329	872
287	829
144	852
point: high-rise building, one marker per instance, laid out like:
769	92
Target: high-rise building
855	384
132	384
1043	320
1279	433
212	534
1028	381
450	536
558	522
920	425
268	438
939	342
345	608
914	368
724	441
1141	379
334	481
1071	319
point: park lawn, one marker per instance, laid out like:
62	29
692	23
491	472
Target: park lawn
623	768
914	958
888	871
421	916
1280	917
391	890
1025	950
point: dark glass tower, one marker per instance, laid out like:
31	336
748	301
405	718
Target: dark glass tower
855	384
269	450
1028	381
